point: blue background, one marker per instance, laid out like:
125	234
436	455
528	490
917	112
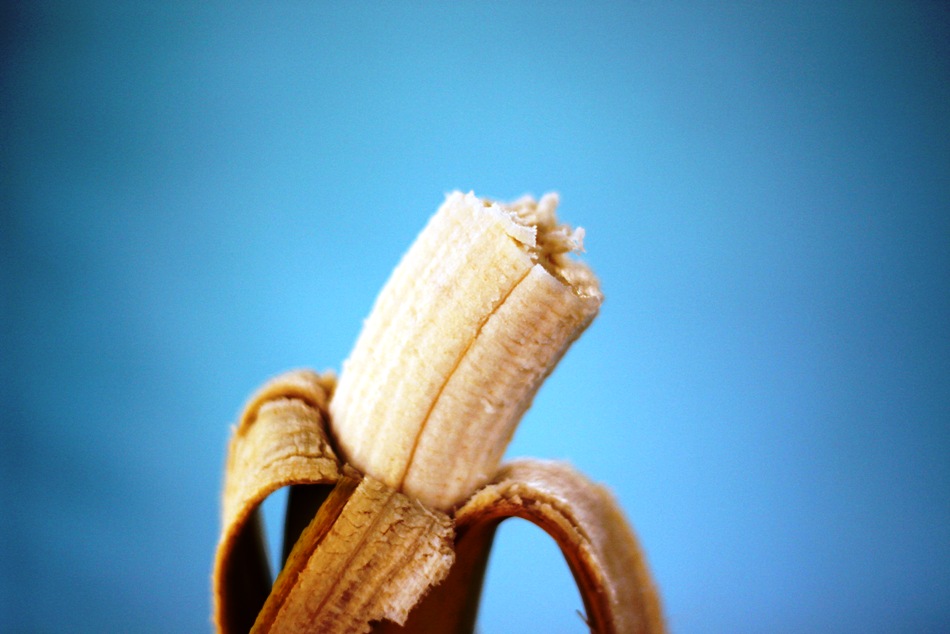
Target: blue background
195	198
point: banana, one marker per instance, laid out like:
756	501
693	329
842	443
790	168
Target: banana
473	319
397	464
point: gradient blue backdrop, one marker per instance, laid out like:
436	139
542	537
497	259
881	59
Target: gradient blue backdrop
195	198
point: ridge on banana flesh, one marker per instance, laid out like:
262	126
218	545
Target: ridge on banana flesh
472	320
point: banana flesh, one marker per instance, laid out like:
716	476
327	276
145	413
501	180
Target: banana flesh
473	319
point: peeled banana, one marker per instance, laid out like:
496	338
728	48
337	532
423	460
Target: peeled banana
473	319
405	448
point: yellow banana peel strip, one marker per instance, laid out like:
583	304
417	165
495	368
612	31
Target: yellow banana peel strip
369	553
280	440
584	519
